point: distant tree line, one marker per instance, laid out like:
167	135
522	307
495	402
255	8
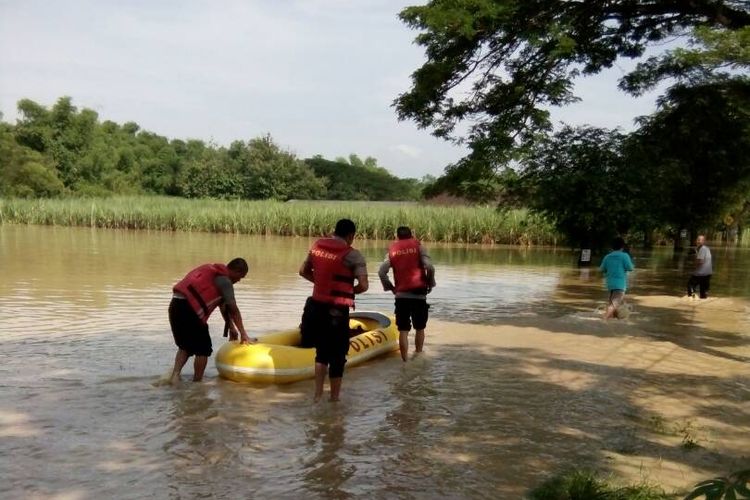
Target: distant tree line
62	150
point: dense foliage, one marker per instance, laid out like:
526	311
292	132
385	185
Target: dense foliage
494	68
357	181
500	64
64	150
588	485
694	152
581	180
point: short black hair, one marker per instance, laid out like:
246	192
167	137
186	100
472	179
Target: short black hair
618	243
238	264
403	233
344	228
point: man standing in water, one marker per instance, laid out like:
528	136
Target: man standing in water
615	267
194	299
415	277
701	277
332	265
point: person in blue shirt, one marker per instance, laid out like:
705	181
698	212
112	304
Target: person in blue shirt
615	267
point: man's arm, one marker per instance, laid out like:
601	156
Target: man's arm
356	262
230	311
228	326
234	313
383	275
362	283
429	269
306	270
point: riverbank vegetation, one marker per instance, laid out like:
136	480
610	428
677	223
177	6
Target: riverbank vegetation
300	218
64	151
581	484
587	485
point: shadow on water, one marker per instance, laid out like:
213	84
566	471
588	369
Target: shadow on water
516	429
469	421
327	469
672	319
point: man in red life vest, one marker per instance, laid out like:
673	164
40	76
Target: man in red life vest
415	277
194	299
332	265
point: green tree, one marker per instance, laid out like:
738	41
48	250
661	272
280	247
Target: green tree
354	181
159	164
210	178
713	55
471	178
63	144
368	163
499	65
34	129
581	180
269	172
695	149
23	171
62	133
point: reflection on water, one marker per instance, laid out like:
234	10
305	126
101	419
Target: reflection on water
326	469
486	412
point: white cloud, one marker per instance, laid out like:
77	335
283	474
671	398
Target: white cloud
410	151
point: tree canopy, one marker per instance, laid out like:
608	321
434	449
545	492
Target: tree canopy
495	68
63	150
576	179
499	65
695	148
363	180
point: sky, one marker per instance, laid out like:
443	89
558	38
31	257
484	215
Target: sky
318	75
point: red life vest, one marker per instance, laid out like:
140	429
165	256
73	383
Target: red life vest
199	289
408	270
334	282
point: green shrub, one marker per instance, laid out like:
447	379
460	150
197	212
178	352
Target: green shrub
587	485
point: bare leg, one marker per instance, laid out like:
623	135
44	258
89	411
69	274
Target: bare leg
335	388
179	361
419	340
403	344
199	366
320	377
610	313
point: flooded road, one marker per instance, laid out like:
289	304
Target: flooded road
520	378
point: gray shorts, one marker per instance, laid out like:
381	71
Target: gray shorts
616	298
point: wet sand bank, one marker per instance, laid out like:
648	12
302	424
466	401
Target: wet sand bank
670	405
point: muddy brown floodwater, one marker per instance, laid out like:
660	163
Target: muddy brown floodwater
520	378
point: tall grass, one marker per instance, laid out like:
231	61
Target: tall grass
587	485
374	220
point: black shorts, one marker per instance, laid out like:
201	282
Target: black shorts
189	332
411	310
326	327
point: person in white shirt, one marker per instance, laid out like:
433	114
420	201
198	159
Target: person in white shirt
701	277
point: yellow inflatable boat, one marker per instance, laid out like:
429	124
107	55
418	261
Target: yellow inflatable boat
276	358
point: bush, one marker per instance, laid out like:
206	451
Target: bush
587	485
